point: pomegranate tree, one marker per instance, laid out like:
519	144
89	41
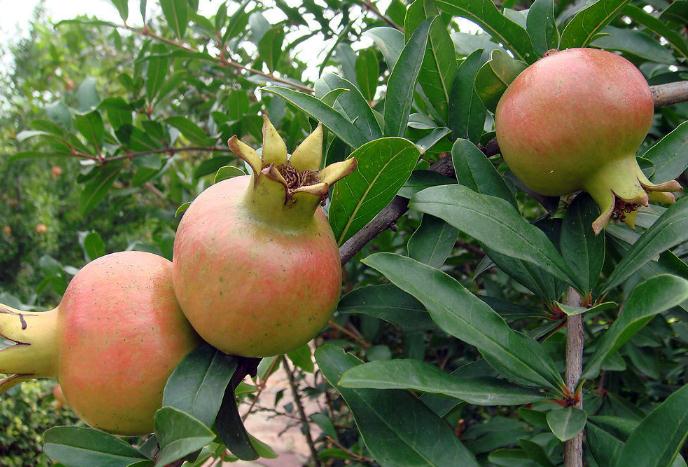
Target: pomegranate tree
256	266
111	343
574	121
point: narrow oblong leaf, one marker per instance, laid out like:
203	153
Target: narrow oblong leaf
669	155
656	441
432	242
190	130
541	25
495	223
648	299
463	315
231	431
176	14
96	189
402	82
367	72
474	170
420	376
674	38
466	110
588	22
389	41
198	383
394	437
669	230
495	76
91	126
86	447
566	423
383	167
179	434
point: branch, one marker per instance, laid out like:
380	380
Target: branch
573	448
368	5
306	428
663	94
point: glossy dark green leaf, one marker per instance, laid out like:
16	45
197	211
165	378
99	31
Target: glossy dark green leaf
675	13
198	383
402	82
495	76
388	303
383	167
117	110
669	230
466	111
648	299
91	127
179	434
439	63
270	47
582	250
87	95
474	170
92	244
542	26
635	43
158	66
230	428
579	310
566	423
429	141
459	313
86	447
333	120
414	436
535	452
432	242
422	179
301	357
669	155
419	376
367	72
655	25
190	130
176	14
122	8
656	441
97	188
226	172
495	223
389	41
582	29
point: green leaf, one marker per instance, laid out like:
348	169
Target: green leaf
466	110
669	230
383	167
96	189
301	357
659	437
669	155
495	76
582	29
439	63
495	223
270	47
583	251
227	172
190	130
459	313
394	437
92	244
388	303
87	95
118	111
389	41
570	310
485	14
432	242
655	25
122	8
541	25
158	66
566	423
86	447
91	126
635	43
474	170
419	376
333	120
198	383
535	452
648	299
182	209
402	82
179	434
230	429
176	15
367	72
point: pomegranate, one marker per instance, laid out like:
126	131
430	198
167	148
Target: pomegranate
574	121
111	343
256	266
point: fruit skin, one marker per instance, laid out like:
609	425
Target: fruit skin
574	121
256	266
111	343
248	287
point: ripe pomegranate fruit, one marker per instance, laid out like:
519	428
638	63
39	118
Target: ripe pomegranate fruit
574	121
256	266
111	343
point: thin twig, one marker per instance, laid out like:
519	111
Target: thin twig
353	455
306	427
362	342
368	5
573	448
261	387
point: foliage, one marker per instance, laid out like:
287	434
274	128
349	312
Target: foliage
454	320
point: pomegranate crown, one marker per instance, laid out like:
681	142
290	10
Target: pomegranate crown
295	179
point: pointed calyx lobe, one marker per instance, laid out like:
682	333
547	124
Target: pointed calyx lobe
574	120
289	181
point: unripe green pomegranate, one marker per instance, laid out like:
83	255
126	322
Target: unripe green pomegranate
256	266
574	121
111	343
